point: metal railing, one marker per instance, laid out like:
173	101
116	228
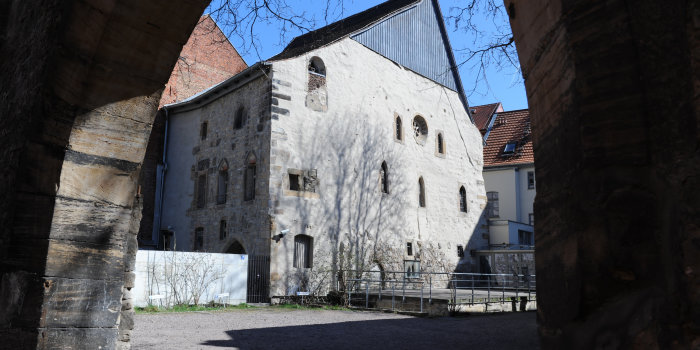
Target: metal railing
455	287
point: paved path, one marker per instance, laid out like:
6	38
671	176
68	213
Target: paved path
283	329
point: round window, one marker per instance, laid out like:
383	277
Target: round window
420	129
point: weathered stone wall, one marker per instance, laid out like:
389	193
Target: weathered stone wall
77	110
189	156
345	143
613	93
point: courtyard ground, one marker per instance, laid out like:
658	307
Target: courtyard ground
278	328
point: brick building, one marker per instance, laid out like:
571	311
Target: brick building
208	58
341	152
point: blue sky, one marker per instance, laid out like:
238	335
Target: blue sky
501	80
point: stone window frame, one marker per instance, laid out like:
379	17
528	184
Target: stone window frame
308	242
249	177
423	137
302	176
300	179
439	134
463	199
398	128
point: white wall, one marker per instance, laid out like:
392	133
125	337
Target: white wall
347	144
527	196
231	272
503	181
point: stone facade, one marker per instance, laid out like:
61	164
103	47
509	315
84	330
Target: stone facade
318	168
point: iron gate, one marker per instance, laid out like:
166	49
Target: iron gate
258	279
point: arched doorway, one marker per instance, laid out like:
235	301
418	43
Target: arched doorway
235	248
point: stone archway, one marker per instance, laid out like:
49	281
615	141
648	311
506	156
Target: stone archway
235	248
612	91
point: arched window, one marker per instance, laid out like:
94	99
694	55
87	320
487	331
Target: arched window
239	119
303	251
316	66
440	144
420	129
421	192
462	199
399	129
384	178
249	180
222	185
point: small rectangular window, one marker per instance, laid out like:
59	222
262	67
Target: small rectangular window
303	251
199	239
294	182
409	249
492	204
531	218
530	180
222	229
524	237
460	251
203	131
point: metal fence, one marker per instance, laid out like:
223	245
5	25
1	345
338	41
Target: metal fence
456	287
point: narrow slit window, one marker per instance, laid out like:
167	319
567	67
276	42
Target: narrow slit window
239	119
399	130
384	178
421	193
440	144
462	199
203	130
201	191
222	229
249	179
199	239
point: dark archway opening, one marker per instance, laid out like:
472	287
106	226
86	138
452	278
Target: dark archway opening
235	248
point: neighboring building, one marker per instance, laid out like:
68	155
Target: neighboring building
206	59
353	148
509	174
484	117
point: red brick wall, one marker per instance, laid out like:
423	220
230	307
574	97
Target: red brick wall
208	58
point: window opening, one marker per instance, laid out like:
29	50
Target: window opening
492	204
460	251
409	249
384	178
530	180
222	229
412	268
462	199
441	147
222	185
420	129
303	248
249	180
421	193
531	219
203	131
509	148
202	191
399	130
524	237
316	66
294	182
199	239
239	119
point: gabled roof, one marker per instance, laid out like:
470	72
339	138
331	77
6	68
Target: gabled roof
482	115
511	126
411	33
341	29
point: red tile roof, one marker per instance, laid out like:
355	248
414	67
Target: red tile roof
482	115
512	126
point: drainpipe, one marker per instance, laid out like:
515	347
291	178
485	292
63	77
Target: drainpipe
160	175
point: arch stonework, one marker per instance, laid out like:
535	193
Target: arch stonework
611	89
612	92
79	107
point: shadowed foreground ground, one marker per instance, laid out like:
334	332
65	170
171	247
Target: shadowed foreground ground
268	328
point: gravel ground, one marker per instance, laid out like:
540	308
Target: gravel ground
274	328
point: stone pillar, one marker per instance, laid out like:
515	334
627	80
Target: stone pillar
613	92
80	86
